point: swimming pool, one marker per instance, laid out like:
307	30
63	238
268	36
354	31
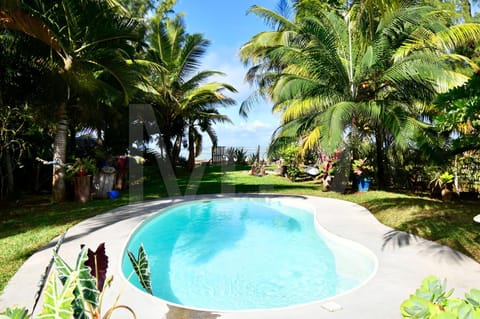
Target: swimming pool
241	254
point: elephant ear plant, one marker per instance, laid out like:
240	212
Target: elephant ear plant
141	268
431	301
80	289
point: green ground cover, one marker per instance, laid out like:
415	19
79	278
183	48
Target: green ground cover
32	222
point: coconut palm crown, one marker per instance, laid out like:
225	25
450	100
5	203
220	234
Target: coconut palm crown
370	70
185	102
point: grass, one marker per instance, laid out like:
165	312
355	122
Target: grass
31	223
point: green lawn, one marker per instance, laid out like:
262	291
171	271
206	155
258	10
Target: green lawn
33	222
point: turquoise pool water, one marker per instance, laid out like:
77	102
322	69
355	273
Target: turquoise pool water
239	254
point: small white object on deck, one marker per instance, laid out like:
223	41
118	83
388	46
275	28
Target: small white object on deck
331	306
477	218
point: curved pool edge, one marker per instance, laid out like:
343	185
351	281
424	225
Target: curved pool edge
286	200
380	296
400	271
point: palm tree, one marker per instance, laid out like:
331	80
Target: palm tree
200	113
361	72
183	102
92	46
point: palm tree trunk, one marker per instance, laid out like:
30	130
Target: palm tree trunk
166	143
191	149
59	155
72	143
10	177
177	147
380	162
100	140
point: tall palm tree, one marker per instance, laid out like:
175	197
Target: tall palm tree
92	46
183	102
363	71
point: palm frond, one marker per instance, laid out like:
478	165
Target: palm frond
271	18
193	49
334	122
212	135
312	140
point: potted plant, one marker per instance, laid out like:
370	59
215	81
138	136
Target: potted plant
445	183
81	174
363	171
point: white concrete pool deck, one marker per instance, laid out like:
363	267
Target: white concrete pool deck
404	260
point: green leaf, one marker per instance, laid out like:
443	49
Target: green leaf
44	277
15	313
368	57
444	315
432	290
454	305
415	307
465	311
473	297
58	302
142	269
86	289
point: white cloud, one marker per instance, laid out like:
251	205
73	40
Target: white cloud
253	126
247	134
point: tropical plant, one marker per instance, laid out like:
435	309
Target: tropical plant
443	181
230	153
459	116
138	8
372	70
432	301
91	61
22	74
184	104
236	155
142	268
13	145
361	168
82	287
241	155
201	119
81	167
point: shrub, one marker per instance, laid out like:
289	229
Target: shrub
431	301
290	161
241	156
236	155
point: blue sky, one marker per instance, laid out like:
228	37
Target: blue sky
228	27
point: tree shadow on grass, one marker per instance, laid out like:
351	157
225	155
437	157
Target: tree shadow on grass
449	224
